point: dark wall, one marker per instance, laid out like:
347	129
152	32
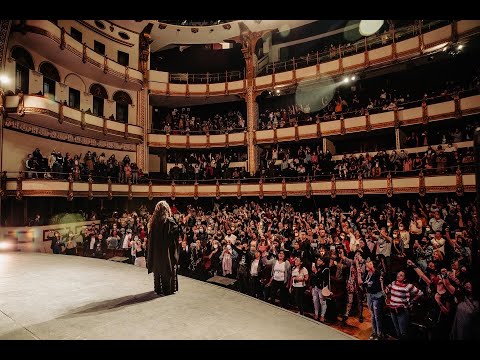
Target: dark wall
198	59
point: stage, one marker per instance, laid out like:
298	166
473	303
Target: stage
46	296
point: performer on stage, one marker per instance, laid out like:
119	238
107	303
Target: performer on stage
163	249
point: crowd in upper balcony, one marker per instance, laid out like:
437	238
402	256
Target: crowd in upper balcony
59	166
180	121
350	102
202	166
300	161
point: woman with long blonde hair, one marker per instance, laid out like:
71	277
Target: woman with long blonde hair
163	249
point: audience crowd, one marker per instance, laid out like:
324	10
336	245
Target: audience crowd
409	260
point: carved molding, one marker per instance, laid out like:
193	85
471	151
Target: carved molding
361	192
389	185
173	192
297	137
4	32
57	135
130	193
3	185
150	190
368	125
333	187
422	190
195	190
217	190
60	114
260	191
239	190
308	188
70	187
19	191
90	187
284	189
110	194
425	117
459	183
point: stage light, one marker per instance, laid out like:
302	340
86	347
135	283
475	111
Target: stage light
278	92
445	48
370	27
4	79
353	78
346	80
460	47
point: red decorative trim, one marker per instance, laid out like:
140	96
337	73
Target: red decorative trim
319	129
227	144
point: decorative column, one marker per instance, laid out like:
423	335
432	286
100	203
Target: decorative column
142	121
249	39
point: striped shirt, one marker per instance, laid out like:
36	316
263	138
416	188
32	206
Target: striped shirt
400	294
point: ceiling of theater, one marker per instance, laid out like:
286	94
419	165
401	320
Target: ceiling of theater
164	34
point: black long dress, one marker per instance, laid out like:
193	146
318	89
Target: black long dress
163	255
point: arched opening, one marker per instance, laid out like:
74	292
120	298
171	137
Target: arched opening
24	63
99	95
122	100
50	77
75	86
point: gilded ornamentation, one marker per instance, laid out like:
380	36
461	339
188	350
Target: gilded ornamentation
60	113
297	137
308	188
319	129
333	187
360	186
459	183
70	187
56	135
83	122
150	190
425	116
110	193
368	125
90	187
389	185
172	192
217	190
284	189
422	189
458	109
239	189
195	190
19	192
260	190
3	185
21	104
130	193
